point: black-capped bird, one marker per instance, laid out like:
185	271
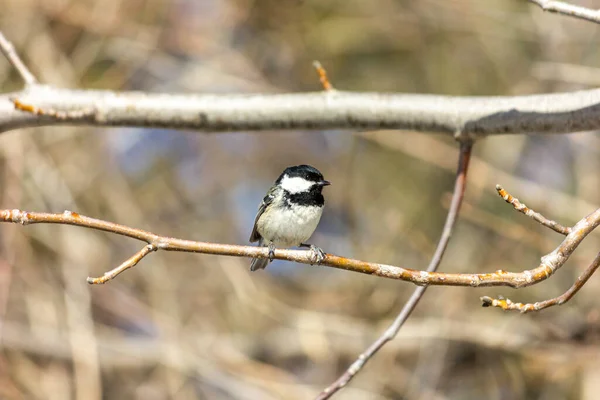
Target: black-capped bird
290	212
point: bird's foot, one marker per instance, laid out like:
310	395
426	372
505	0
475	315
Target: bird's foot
271	251
318	254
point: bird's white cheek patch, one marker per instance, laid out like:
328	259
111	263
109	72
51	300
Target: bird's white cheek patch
296	184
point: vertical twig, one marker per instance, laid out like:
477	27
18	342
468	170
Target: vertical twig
392	331
327	86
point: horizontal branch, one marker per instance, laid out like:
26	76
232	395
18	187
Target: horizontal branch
550	263
464	117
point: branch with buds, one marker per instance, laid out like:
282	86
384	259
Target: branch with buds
105	108
465	118
550	263
507	304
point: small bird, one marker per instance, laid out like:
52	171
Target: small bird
290	212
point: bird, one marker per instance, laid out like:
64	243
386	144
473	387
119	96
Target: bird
289	213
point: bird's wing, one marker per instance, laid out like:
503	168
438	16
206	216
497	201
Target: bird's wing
268	199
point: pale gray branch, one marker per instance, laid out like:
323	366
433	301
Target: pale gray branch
464	117
560	7
13	58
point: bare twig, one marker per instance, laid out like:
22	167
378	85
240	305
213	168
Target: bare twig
392	331
9	52
507	304
550	262
129	263
571	10
327	86
555	226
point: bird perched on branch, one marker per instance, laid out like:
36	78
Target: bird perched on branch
290	212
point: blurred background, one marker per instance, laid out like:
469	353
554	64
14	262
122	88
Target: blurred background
189	326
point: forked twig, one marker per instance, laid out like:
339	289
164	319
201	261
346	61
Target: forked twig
507	304
394	328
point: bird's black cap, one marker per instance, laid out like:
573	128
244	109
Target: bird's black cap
304	171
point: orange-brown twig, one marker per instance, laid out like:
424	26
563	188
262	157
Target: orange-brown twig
555	226
71	115
129	263
550	262
323	76
507	304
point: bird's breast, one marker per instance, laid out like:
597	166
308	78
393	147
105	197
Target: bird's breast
289	226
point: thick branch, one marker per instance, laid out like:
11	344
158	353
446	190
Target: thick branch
464	117
550	263
560	7
467	117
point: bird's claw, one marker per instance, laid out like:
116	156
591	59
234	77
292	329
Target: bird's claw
271	252
318	254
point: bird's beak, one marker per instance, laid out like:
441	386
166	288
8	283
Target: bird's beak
324	183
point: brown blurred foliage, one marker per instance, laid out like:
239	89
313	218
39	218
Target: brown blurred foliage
181	326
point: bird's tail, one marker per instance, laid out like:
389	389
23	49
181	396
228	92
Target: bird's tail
259	263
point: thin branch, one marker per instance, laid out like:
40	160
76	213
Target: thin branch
560	7
457	197
327	86
129	263
507	304
9	52
550	262
555	226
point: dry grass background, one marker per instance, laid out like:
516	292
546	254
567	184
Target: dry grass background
183	326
